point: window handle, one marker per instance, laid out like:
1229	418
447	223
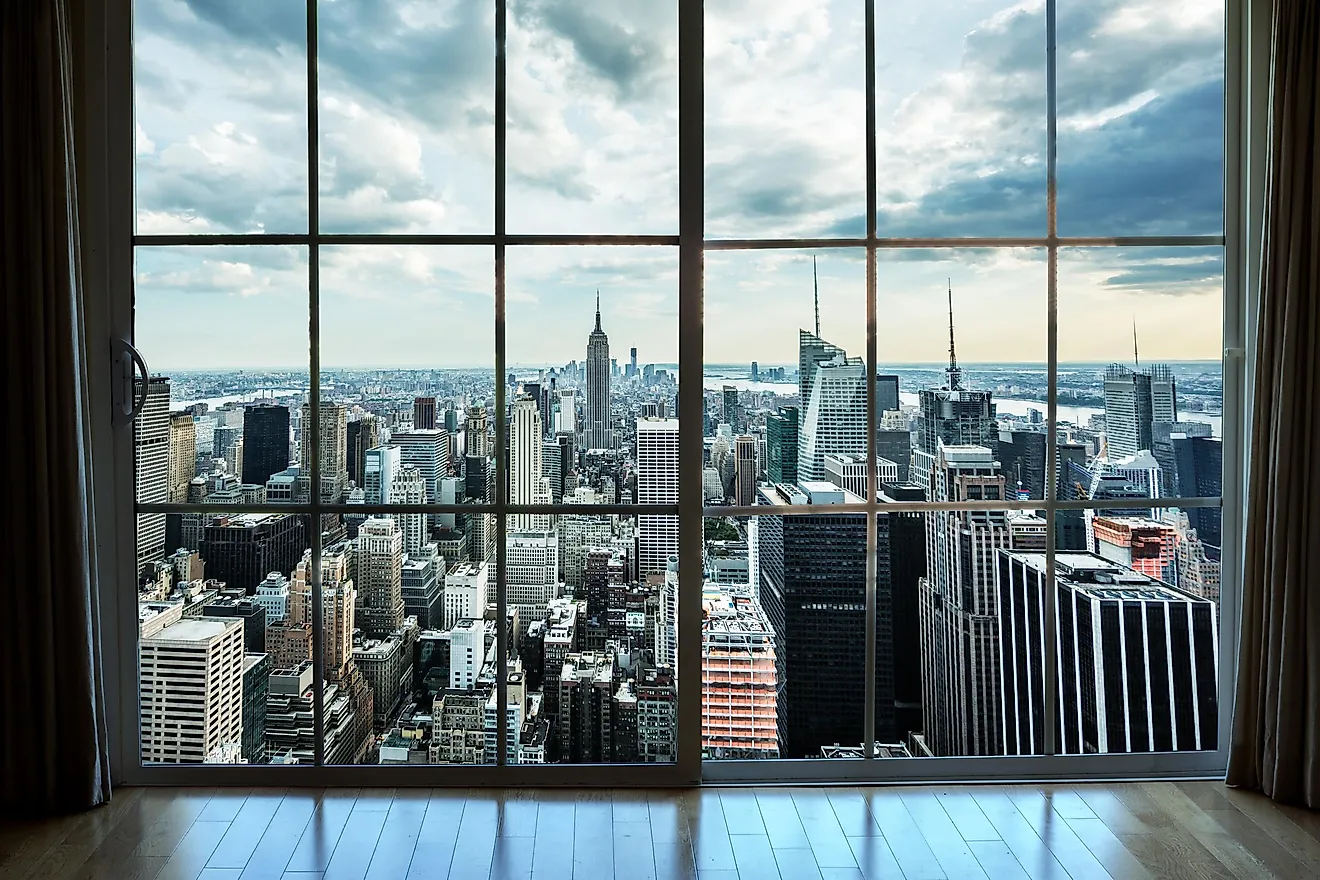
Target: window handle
127	405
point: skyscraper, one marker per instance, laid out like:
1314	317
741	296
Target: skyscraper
739	700
183	455
333	434
886	394
1137	660
151	461
835	418
657	483
408	487
781	442
477	432
744	491
423	413
597	430
961	698
1199	473
379	565
533	573
1133	401
243	548
265	442
525	452
812	582
907	567
381	464
362	434
566	412
811	351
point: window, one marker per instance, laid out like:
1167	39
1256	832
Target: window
423	487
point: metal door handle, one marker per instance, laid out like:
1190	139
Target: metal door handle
123	358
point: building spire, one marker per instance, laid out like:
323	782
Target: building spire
815	291
1136	358
955	374
598	330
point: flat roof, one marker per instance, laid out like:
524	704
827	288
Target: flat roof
195	629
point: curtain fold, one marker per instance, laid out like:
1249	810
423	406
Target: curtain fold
54	754
1276	724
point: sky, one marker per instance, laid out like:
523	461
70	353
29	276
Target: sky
406	107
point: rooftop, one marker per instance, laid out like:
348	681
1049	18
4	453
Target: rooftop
195	629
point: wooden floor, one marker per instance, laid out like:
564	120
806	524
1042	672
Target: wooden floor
1194	830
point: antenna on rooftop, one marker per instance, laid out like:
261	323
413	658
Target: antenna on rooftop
815	289
1135	357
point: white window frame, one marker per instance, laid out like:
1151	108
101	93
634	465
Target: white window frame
104	45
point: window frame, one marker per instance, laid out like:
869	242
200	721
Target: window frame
107	209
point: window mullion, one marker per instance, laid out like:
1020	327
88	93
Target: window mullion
501	427
872	405
1052	380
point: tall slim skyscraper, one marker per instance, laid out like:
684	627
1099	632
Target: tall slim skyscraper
408	487
962	700
183	455
423	413
657	483
333	434
151	461
382	463
265	442
363	434
744	479
525	451
566	412
811	351
428	451
597	431
1133	401
477	432
835	417
379	577
1199	473
907	567
781	443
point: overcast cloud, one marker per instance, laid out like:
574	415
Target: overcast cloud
406	108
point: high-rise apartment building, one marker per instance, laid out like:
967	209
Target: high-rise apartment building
597	432
183	455
191	689
744	478
812	586
423	413
265	442
1137	660
477	432
525	451
657	483
1144	545
585	729
333	442
739	674
151	462
408	487
378	566
961	699
781	442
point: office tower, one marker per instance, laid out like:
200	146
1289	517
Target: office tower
333	440
379	469
339	598
241	549
657	483
744	451
514	706
835	417
183	455
265	442
812	586
467	652
632	363
907	566
756	372
566	414
895	444
886	394
290	734
532	568
524	458
657	715
1199	473
424	413
428	451
961	697
812	350
466	592
273	596
848	471
191	689
477	432
731	412
409	488
362	434
586	684
378	568
256	692
1022	462
739	697
1133	401
781	442
597	433
421	580
1163	394
1143	545
1137	660
557	460
151	462
225	440
1196	563
1161	446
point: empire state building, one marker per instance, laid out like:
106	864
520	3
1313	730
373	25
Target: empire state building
597	429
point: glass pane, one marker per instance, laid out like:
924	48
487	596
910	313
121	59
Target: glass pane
592	348
961	339
1138	633
407	115
785	119
1140	343
960	118
592	117
1141	118
220	103
776	320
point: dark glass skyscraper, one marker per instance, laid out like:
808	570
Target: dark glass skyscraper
781	444
242	549
1199	473
265	442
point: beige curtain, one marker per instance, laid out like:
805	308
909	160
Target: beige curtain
53	741
1276	725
